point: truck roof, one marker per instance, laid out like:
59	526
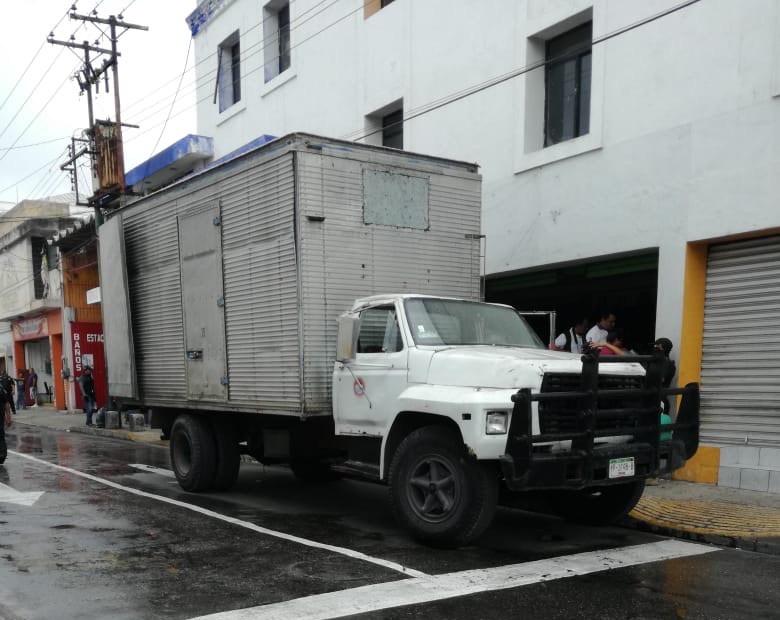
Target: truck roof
393	297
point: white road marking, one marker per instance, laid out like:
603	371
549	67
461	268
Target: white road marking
356	555
432	588
12	496
153	470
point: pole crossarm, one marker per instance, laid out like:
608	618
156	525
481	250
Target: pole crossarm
111	21
81	46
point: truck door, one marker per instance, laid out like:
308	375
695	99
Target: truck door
200	251
366	390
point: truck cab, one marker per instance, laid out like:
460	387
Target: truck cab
463	398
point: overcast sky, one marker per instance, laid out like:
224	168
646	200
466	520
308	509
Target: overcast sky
40	106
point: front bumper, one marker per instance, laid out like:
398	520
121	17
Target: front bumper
585	416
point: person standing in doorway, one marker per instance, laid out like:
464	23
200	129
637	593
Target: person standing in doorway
21	392
600	331
613	345
32	386
573	339
87	387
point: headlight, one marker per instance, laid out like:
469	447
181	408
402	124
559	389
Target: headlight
495	423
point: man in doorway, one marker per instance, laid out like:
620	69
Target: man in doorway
600	331
573	339
21	392
32	386
87	387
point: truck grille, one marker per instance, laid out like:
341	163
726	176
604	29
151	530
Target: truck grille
563	416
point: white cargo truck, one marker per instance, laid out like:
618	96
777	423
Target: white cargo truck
316	303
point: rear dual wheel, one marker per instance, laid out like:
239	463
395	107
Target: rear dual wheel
204	457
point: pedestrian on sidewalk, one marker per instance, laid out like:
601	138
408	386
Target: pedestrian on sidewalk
7	422
87	387
21	393
32	386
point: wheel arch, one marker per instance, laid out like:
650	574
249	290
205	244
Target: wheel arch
405	423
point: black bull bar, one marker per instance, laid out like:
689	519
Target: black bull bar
592	411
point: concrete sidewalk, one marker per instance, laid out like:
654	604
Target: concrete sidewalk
75	422
700	512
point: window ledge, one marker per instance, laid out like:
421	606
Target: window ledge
277	81
232	111
557	152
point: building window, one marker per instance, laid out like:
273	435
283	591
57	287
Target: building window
229	72
385	127
393	129
276	32
567	85
374	6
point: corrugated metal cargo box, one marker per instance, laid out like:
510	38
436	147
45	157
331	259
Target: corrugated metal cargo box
236	275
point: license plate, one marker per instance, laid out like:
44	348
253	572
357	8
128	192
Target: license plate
621	468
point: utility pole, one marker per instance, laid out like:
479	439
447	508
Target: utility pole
113	168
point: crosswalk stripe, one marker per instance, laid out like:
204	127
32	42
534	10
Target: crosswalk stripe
431	588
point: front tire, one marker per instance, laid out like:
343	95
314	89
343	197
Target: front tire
440	493
598	505
193	453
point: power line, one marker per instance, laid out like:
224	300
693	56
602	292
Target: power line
172	80
21	107
34	172
30	64
162	131
245	56
517	72
21	135
253	71
27	146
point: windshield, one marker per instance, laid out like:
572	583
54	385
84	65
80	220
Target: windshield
438	322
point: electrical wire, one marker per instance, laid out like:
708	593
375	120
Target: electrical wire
162	131
27	146
21	135
30	64
21	107
205	78
172	80
248	73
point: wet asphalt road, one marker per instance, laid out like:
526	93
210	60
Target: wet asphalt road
108	540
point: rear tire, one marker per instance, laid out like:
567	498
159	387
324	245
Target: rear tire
228	456
193	453
598	505
440	493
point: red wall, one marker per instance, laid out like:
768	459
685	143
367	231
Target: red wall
87	340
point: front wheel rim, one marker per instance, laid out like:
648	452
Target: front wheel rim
434	489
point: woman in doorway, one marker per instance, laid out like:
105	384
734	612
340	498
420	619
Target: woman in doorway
613	345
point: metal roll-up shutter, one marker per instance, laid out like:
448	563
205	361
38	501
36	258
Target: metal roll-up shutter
740	374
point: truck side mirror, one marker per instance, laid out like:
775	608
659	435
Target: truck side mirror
349	328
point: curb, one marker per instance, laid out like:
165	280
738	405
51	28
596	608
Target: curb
769	546
105	432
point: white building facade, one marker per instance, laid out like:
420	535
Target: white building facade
630	154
